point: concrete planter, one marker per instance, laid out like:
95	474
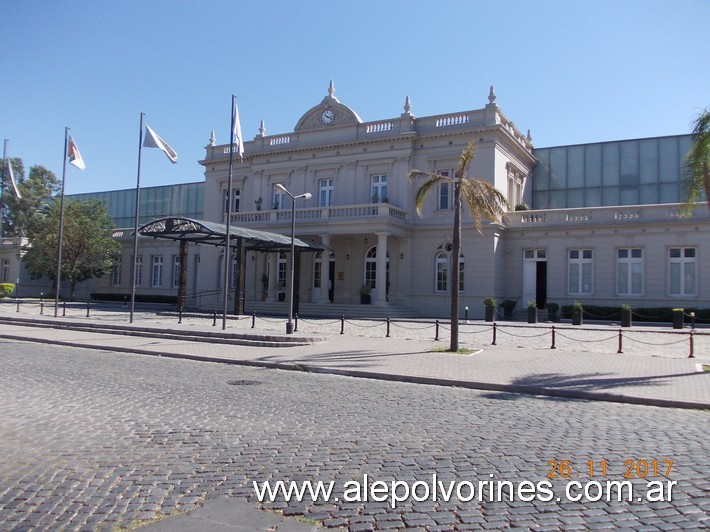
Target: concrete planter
532	315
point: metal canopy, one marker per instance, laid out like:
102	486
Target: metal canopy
202	232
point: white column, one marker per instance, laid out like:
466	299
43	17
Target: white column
381	269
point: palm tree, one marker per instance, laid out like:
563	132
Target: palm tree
696	166
483	200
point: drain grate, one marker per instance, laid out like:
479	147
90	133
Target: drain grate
243	382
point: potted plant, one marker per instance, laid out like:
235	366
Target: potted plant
532	312
258	203
577	313
508	306
625	316
678	318
365	294
490	305
552	309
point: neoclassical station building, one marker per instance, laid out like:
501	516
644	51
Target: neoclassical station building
602	226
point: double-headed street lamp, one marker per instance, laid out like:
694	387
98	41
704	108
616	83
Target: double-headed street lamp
307	195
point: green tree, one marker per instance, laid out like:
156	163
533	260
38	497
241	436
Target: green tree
22	214
88	249
696	166
483	201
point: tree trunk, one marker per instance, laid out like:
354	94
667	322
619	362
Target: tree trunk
454	346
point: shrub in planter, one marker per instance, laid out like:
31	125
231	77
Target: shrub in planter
490	305
552	309
6	289
365	295
508	306
678	318
532	312
577	312
625	316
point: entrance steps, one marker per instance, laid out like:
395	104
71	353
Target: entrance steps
330	310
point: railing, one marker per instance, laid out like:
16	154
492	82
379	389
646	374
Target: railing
378	127
452	120
319	214
602	215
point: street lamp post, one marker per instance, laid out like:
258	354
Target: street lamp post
307	195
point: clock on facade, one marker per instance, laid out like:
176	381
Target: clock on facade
327	117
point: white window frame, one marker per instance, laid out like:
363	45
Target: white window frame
584	257
279	198
626	263
325	192
236	198
139	270
116	272
688	255
156	278
6	270
378	188
441	273
176	271
445	193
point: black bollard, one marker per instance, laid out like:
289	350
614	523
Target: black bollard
295	322
253	319
436	334
620	341
214	317
342	324
87	309
388	326
553	338
495	333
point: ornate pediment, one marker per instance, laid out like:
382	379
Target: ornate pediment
329	113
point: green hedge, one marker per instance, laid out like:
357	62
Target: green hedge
647	314
6	289
140	298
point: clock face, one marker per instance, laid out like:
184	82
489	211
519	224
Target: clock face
327	116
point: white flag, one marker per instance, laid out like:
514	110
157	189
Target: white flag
12	180
237	131
74	155
152	140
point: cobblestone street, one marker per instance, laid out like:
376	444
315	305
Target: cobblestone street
90	439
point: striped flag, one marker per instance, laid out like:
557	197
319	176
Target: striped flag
74	155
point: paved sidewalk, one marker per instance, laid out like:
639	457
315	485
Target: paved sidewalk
575	369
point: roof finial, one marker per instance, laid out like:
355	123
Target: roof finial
331	88
491	96
529	136
212	139
407	106
262	129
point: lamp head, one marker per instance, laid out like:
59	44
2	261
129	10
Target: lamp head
280	187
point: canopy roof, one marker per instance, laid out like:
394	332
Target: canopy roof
202	232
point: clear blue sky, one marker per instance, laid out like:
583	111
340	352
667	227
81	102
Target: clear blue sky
571	72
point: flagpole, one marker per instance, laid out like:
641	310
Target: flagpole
58	277
2	189
135	231
227	250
